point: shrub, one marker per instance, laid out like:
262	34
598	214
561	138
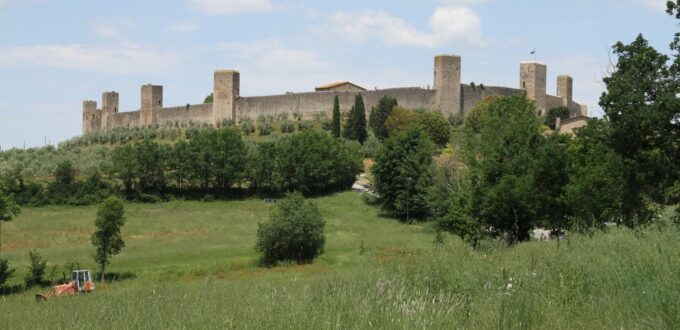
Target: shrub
287	126
399	119
264	125
246	125
295	232
6	272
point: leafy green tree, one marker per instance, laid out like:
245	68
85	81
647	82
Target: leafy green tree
435	126
500	137
402	173
551	175
151	166
37	267
125	167
264	174
382	112
179	162
313	162
294	232
552	114
399	119
107	237
642	108
596	189
208	99
65	173
230	157
335	124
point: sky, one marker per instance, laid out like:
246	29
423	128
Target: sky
55	54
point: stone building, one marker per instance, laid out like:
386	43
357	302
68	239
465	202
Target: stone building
448	96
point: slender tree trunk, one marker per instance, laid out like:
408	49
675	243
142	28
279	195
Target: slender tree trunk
102	271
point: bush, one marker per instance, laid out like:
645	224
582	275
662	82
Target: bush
295	232
287	126
36	270
246	125
5	272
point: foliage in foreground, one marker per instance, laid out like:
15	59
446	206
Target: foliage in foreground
294	233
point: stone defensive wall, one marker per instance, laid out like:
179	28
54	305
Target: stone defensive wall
308	104
448	96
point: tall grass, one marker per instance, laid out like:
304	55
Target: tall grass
620	279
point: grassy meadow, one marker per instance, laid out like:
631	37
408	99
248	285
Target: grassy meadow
194	266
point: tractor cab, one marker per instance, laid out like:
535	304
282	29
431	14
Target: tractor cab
82	280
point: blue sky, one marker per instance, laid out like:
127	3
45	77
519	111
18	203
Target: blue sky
54	54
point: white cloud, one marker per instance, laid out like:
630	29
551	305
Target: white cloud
271	67
447	24
106	31
121	59
183	27
269	55
653	4
229	7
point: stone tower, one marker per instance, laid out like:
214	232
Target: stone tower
565	89
447	84
89	116
532	79
152	103
226	89
109	109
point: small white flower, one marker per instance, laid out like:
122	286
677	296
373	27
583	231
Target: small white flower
509	286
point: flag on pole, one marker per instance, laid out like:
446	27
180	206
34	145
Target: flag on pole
533	52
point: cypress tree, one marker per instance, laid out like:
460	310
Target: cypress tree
382	112
335	124
348	131
359	114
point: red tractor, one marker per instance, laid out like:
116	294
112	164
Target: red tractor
81	281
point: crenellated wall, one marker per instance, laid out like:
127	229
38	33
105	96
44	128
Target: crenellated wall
448	96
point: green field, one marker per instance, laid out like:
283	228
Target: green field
193	266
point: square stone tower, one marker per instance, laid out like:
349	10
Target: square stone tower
89	116
532	79
152	103
226	90
109	109
447	84
565	89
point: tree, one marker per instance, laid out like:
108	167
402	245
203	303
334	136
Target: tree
8	210
65	174
356	121
125	166
500	137
230	157
36	270
294	232
381	113
435	126
208	99
313	162
399	119
596	189
551	115
551	175
402	173
151	166
335	124
107	237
